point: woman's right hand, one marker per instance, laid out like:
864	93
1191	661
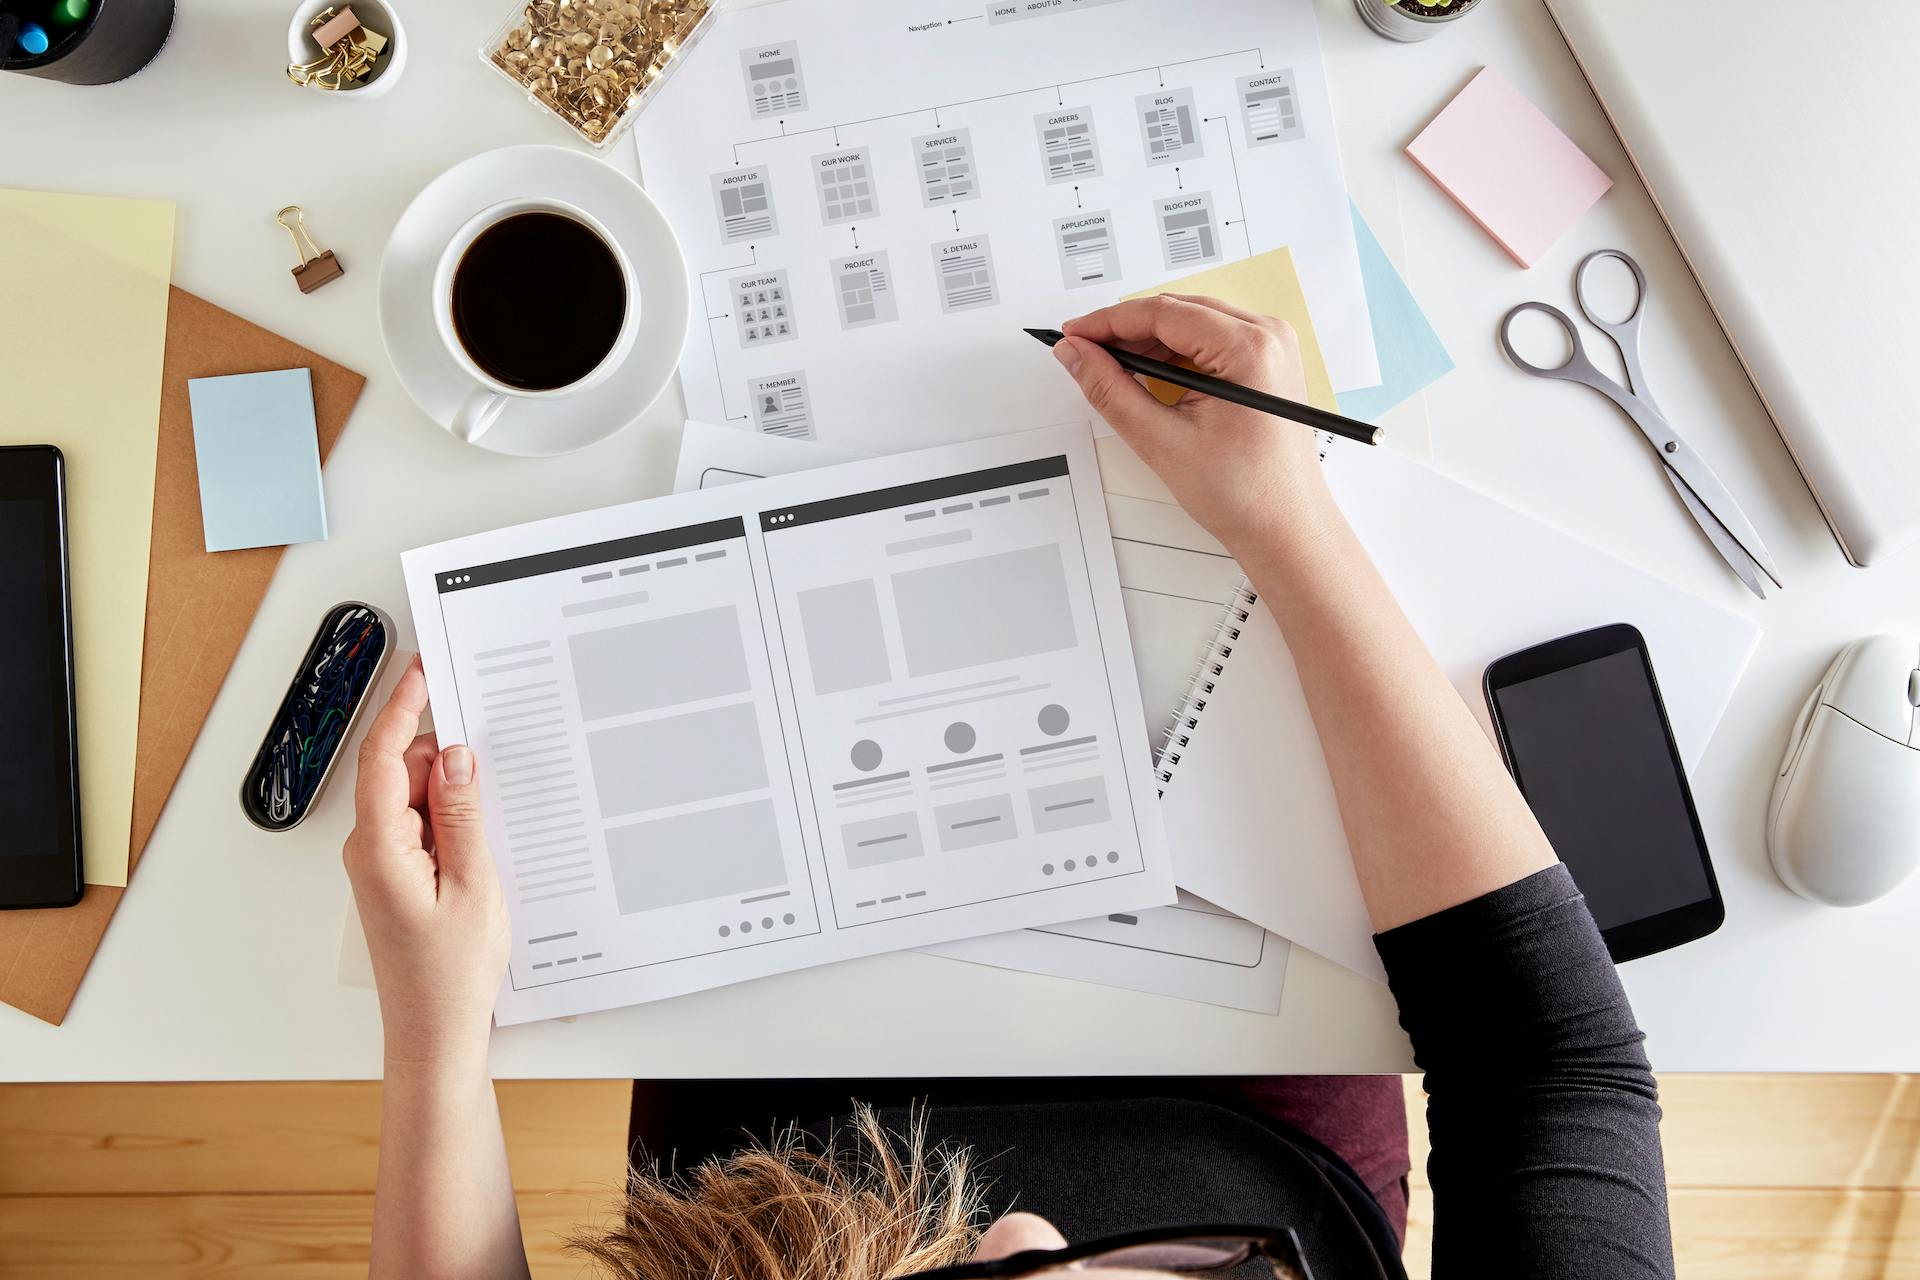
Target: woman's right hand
425	885
1245	475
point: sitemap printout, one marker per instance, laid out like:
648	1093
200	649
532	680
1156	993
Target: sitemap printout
875	199
769	725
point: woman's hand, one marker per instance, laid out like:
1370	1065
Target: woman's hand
1243	474
428	896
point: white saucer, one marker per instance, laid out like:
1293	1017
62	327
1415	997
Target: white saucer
534	428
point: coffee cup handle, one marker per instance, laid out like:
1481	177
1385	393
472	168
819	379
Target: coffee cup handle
478	412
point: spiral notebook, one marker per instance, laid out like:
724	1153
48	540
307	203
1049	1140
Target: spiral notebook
1244	787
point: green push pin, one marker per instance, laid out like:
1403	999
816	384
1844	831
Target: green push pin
70	13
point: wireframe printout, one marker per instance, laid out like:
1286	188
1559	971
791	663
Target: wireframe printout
795	720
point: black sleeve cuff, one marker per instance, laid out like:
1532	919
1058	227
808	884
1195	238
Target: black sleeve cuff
1510	981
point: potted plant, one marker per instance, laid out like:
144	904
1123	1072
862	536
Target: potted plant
1412	19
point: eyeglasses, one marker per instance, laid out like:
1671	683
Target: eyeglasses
1180	1250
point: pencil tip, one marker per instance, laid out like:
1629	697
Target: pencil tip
1048	336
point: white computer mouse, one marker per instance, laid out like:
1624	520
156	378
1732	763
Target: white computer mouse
1844	825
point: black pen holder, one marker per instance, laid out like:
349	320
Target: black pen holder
114	40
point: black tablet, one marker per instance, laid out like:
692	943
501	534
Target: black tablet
39	758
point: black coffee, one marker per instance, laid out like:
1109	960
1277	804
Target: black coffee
538	300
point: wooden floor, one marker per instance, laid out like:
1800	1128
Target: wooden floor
1809	1177
1772	1176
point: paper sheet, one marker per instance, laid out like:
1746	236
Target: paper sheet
1192	950
1411	355
1251	801
1269	284
711	456
1508	167
1370	151
778	723
1175	577
82	335
1174	580
255	448
874	200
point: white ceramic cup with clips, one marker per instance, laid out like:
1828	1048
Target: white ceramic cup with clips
375	15
490	395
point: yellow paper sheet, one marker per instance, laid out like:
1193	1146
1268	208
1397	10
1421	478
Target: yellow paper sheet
1266	283
83	328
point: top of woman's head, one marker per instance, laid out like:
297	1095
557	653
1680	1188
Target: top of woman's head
866	1205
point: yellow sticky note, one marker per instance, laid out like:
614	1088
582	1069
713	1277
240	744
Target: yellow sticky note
1266	283
83	332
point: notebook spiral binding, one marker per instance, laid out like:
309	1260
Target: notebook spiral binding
1206	672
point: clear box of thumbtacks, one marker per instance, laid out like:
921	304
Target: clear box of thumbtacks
594	64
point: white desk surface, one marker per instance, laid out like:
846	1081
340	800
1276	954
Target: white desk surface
221	962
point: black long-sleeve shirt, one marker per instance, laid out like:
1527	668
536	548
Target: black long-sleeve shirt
1541	1106
1542	1113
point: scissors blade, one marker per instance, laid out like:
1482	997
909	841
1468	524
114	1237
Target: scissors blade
1699	478
1742	564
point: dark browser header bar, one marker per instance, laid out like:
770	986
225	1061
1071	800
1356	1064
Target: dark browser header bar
486	575
912	495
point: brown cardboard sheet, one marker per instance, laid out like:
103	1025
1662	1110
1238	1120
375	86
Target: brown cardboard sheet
199	606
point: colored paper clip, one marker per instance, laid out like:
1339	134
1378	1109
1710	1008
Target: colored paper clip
317	265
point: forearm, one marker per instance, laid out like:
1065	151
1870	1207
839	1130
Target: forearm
1430	815
443	1204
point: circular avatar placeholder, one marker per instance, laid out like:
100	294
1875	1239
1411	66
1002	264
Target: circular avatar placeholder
866	755
1053	719
960	736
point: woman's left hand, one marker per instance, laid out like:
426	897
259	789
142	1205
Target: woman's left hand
424	882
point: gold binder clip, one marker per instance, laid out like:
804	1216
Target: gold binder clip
317	265
348	51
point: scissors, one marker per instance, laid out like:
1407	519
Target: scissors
1713	508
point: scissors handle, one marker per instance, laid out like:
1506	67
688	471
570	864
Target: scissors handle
1575	368
1626	332
1632	319
1578	368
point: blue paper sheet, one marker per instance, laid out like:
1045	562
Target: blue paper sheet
1411	356
259	458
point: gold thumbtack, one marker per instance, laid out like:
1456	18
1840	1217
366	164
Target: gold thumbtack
317	265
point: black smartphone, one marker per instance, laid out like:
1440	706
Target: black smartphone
39	757
1586	737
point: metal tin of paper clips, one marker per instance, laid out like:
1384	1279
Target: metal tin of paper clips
315	721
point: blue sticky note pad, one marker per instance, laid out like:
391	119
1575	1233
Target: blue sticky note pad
259	457
1411	356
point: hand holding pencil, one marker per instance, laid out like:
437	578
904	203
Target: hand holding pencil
1236	469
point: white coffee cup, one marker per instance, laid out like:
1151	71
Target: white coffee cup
483	405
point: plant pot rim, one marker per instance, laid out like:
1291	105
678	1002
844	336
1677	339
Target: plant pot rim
1401	6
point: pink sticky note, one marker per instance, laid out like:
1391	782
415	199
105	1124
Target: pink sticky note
1508	166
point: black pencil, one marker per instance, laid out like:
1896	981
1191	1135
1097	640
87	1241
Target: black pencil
1221	389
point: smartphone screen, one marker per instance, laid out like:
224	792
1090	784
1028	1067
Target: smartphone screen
39	825
1587	739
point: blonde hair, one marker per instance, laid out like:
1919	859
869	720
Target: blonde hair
875	1208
